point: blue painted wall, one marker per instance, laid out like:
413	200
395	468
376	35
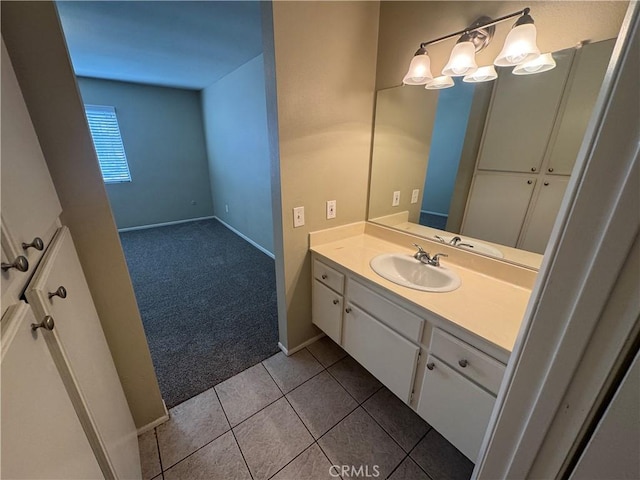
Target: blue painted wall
235	118
450	125
163	136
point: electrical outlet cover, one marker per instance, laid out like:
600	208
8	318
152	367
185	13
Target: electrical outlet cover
396	198
298	217
414	195
331	209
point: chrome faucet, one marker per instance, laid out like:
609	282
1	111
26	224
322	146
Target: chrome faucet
427	259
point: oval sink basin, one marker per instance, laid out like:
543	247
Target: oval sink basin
403	269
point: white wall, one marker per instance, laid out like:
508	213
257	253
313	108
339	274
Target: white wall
235	122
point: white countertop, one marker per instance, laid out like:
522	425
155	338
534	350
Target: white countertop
483	305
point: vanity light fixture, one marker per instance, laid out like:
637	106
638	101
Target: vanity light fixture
439	83
519	47
482	74
543	63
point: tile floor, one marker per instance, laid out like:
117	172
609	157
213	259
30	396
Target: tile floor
291	418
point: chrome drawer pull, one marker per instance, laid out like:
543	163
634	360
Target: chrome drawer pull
47	323
463	363
37	243
20	263
431	365
348	309
60	292
336	301
324	276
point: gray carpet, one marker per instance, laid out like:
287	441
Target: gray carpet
208	303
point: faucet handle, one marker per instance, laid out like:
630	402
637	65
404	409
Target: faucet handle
439	238
435	260
419	247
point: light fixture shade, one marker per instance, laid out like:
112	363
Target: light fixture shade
542	63
419	70
482	74
519	46
439	83
462	60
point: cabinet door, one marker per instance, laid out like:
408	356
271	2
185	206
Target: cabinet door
42	437
83	353
30	205
543	214
389	357
326	311
497	206
590	66
456	407
521	117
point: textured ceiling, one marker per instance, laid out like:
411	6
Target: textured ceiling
170	43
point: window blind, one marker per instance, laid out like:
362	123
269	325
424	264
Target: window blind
105	132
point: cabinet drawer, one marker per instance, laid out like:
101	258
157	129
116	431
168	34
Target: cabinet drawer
478	366
328	276
326	311
456	407
399	319
388	356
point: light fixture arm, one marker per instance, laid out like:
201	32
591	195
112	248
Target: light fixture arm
468	30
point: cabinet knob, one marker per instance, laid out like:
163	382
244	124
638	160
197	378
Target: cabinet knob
324	277
20	263
37	243
431	365
336	301
463	363
550	170
529	182
348	309
60	292
533	169
546	183
47	323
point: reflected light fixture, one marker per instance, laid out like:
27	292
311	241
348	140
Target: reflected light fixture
482	74
542	63
519	47
439	83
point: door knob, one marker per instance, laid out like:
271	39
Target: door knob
324	277
529	182
550	170
546	183
336	301
37	243
533	169
20	263
431	365
348	309
463	363
60	292
47	323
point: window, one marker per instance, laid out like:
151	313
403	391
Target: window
105	132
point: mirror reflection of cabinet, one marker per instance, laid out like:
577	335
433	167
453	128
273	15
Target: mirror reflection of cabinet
505	205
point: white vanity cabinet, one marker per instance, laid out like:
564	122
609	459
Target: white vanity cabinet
328	300
42	437
458	391
455	391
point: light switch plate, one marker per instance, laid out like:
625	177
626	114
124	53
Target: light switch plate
414	195
298	217
331	209
396	198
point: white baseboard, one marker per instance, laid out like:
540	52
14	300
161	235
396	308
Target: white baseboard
164	224
240	234
156	422
299	347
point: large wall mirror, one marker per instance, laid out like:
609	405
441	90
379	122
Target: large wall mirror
485	165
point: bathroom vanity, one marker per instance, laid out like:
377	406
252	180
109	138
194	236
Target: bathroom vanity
442	353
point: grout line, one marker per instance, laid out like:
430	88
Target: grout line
322	449
155	434
416	445
398	466
234	435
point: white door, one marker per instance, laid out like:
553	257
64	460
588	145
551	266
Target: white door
42	437
542	216
389	357
80	336
455	406
497	206
521	118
